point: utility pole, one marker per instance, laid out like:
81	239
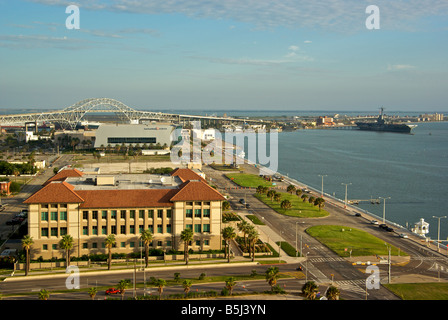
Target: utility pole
346	184
438	232
322	190
384	208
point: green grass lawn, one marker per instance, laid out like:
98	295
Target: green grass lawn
248	180
361	243
420	291
299	208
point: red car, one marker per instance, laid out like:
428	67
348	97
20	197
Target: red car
112	291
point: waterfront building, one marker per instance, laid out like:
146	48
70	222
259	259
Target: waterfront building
133	134
90	207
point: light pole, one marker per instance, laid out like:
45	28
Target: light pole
346	184
306	268
384	208
438	232
322	190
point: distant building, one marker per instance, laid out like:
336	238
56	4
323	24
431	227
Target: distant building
325	121
204	134
431	117
133	134
4	187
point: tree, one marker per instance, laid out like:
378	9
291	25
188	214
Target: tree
27	242
230	284
228	233
291	189
225	205
272	276
244	227
160	283
309	289
253	238
271	193
187	286
92	291
304	197
298	192
333	293
186	236
277	197
286	204
311	200
43	294
110	243
319	202
146	237
66	244
122	286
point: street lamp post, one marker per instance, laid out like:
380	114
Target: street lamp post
438	232
322	190
384	208
346	184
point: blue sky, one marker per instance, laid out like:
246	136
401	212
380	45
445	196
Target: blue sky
234	54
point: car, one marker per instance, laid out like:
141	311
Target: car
389	229
357	214
402	235
383	226
113	291
247	205
374	222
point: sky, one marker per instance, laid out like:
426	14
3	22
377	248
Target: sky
226	54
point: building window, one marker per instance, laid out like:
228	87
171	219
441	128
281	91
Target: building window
95	230
113	214
54	232
141	214
44	216
54	246
159	228
85	215
189	203
84	245
207	203
85	230
206	213
104	214
44	232
94	245
113	229
103	230
151	228
123	244
168	213
189	213
132	244
197	203
141	228
132	214
150	213
44	206
168	228
45	247
168	243
63	215
198	242
206	242
132	229
95	215
122	229
123	214
189	226
63	231
197	213
159	213
54	216
197	228
159	243
206	228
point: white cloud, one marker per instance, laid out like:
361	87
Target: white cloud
307	41
396	67
293	48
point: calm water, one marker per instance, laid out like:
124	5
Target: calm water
411	169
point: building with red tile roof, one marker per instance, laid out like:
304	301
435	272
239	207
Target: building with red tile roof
90	207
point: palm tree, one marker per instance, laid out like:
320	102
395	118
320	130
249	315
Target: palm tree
66	244
311	199
122	286
298	191
333	293
186	236
43	294
146	237
271	193
230	284
92	291
291	188
286	204
110	242
225	205
160	283
272	276
304	197
243	227
310	289
228	233
253	238
319	202
187	286
27	242
277	197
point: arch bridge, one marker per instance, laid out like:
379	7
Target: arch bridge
71	116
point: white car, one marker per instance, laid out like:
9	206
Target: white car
403	236
374	222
